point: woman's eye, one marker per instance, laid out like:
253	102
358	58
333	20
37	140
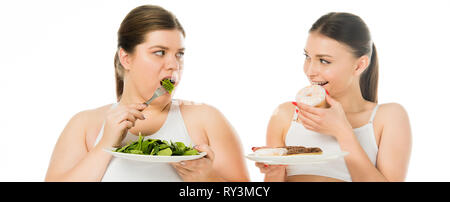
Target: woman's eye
180	54
324	61
306	56
160	53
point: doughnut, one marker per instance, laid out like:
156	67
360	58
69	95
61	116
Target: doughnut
313	95
271	152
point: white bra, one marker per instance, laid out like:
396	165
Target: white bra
299	135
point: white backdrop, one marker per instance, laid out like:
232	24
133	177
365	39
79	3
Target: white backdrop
243	57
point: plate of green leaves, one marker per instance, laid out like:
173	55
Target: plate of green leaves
156	151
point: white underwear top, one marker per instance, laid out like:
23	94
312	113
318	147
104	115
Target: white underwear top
299	135
173	130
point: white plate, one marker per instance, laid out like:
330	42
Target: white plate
297	159
153	158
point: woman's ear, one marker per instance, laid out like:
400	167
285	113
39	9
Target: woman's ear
361	65
124	58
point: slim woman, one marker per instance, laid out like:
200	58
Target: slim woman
341	56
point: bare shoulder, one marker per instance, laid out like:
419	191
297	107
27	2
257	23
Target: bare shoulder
187	104
392	112
99	111
393	106
284	111
71	144
91	115
282	115
203	116
86	120
200	110
394	121
396	141
279	124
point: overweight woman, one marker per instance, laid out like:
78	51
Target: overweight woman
150	49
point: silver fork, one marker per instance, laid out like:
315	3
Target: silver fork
160	91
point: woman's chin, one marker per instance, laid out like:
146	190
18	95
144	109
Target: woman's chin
167	96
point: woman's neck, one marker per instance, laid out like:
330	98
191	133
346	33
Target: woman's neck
351	100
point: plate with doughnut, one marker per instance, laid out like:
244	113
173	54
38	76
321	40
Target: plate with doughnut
293	155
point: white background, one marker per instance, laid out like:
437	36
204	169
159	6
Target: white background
243	57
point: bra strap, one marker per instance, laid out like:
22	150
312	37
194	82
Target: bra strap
295	114
373	114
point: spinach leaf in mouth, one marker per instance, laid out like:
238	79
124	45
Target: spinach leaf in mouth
157	147
168	85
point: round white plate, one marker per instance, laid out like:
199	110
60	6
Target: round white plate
297	159
153	158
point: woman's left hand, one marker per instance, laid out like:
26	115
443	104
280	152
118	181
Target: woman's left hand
199	170
330	121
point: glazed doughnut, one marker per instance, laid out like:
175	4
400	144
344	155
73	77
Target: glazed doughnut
271	152
313	95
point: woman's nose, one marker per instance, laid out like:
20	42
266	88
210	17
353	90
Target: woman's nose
172	63
311	69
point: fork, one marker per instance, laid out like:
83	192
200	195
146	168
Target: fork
160	91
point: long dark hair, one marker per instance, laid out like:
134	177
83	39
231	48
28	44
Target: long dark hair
133	29
351	30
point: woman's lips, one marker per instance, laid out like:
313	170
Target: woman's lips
173	76
320	83
172	79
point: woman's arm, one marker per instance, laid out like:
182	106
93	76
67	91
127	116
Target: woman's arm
225	157
393	153
277	128
71	160
395	145
229	159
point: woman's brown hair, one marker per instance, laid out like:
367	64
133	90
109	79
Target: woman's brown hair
132	31
352	31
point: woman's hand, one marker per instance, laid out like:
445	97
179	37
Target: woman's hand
199	170
273	173
118	121
330	121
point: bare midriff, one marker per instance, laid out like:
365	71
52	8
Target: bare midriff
311	178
